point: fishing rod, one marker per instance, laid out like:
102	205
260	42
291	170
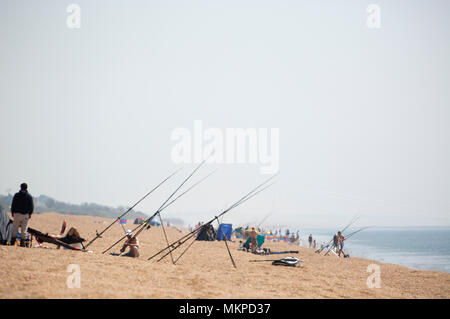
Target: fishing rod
348	236
129	209
124	230
159	213
193	233
342	232
357	231
332	242
226	243
171	195
352	221
264	219
191	187
185	238
163	206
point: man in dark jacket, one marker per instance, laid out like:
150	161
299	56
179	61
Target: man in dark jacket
21	209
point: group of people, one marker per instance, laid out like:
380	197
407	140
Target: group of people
338	244
22	208
312	242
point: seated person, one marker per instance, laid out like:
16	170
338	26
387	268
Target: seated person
133	243
72	238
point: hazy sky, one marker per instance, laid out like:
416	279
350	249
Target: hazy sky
363	114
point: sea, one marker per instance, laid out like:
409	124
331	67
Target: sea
422	248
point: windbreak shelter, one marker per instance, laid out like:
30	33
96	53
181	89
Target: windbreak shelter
207	233
155	223
224	231
5	227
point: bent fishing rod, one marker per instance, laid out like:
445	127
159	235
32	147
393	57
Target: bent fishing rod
129	209
205	225
162	207
186	237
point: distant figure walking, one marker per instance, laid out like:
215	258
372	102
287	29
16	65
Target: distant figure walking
310	240
21	209
314	244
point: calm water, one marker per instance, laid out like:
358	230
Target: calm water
418	248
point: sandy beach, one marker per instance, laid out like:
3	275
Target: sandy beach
205	271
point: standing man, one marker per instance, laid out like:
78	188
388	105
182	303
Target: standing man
310	239
21	209
253	235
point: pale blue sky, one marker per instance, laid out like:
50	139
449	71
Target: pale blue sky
87	114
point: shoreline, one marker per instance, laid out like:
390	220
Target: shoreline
205	271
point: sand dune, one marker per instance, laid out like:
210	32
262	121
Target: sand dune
205	271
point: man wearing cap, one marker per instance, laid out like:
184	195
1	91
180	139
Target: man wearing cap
21	209
133	243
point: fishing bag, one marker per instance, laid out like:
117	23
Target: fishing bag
288	261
